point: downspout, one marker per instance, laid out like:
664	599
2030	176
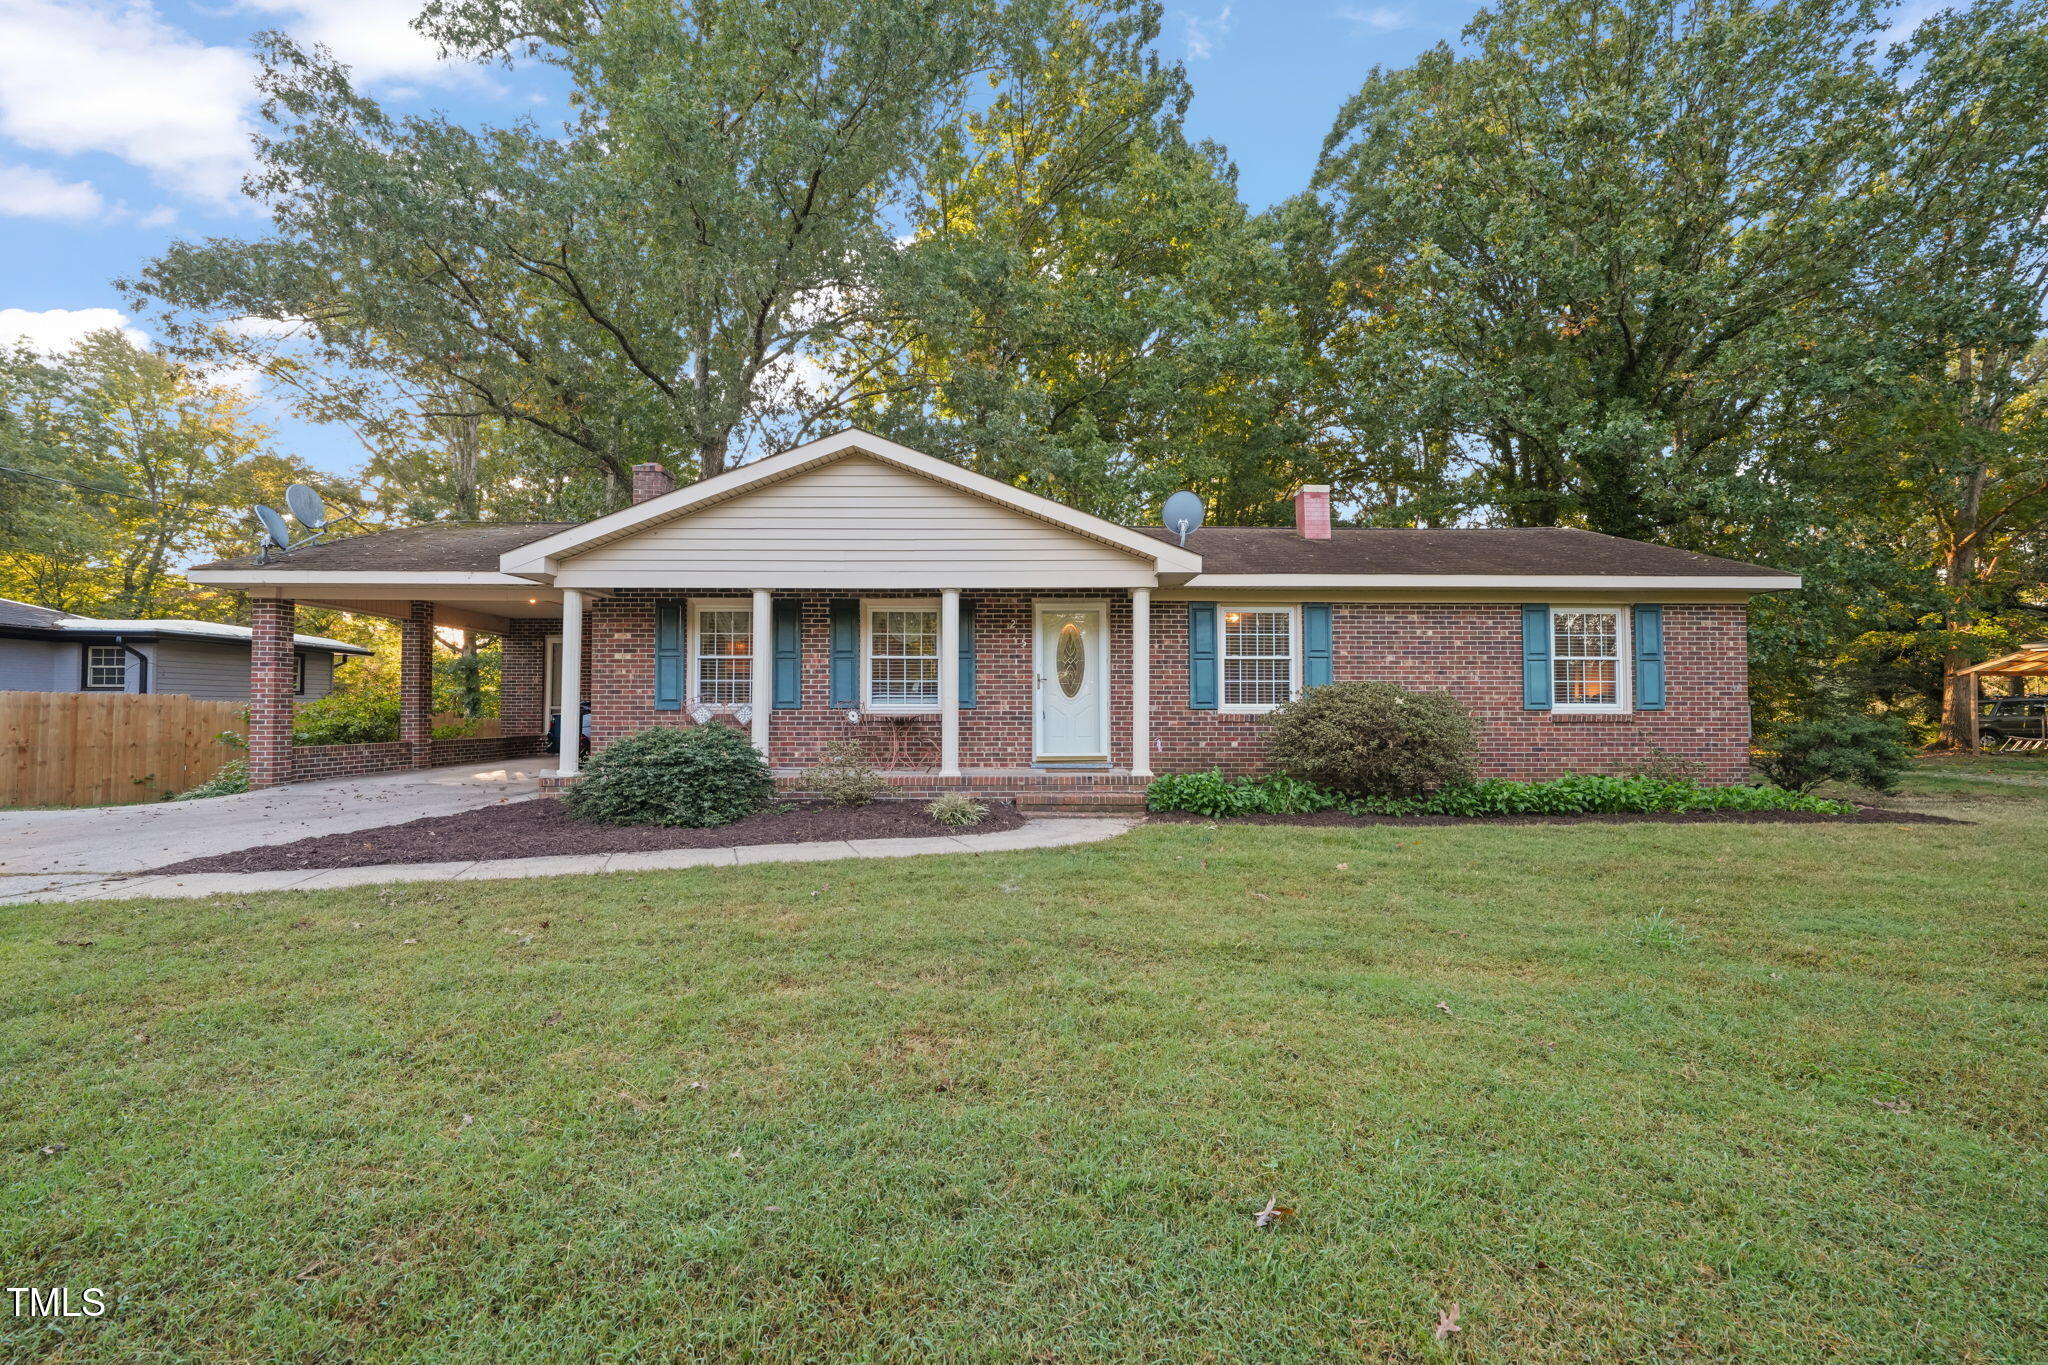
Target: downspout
140	658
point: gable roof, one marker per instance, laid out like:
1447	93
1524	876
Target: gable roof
541	556
13	613
1489	552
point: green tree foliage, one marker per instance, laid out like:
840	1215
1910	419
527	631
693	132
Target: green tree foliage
646	284
1085	308
131	465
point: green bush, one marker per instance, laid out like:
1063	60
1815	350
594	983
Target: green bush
1375	739
697	776
844	776
957	809
1867	751
232	778
352	717
1212	794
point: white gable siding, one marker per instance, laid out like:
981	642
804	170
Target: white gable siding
855	523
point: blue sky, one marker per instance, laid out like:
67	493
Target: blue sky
124	125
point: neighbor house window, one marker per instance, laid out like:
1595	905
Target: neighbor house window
1586	659
1258	657
299	674
903	656
106	668
722	661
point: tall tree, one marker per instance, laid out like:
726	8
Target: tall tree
143	465
1085	307
1596	249
649	281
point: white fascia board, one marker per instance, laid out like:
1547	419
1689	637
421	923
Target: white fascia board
265	577
1512	582
934	579
540	556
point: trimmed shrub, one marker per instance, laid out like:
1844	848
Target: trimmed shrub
696	777
845	777
1867	751
1375	739
233	778
957	809
1214	795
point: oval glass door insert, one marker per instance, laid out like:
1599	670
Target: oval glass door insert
1071	659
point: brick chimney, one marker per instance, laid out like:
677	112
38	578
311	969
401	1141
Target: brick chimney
1312	511
651	481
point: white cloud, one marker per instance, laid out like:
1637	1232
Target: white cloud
29	192
87	77
1203	34
54	330
374	38
1381	19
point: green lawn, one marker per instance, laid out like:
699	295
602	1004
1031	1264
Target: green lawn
1624	1093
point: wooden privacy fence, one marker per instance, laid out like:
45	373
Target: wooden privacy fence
108	748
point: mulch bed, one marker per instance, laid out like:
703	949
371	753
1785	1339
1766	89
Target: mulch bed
1862	815
542	827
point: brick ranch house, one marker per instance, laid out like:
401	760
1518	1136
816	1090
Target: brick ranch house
970	634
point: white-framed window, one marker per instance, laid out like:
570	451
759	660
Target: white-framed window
1589	659
106	668
1259	659
299	675
900	654
722	652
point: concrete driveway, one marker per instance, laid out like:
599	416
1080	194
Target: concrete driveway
61	846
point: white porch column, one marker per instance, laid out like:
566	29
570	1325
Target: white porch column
949	683
761	693
571	756
1141	682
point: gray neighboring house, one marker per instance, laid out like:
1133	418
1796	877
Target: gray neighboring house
42	650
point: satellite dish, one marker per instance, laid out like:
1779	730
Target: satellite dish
273	526
1183	514
306	506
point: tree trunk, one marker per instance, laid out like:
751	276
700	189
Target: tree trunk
1959	574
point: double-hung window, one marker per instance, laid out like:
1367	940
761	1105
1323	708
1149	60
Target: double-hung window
1588	649
902	666
1259	649
722	652
106	668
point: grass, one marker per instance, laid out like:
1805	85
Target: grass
1622	1093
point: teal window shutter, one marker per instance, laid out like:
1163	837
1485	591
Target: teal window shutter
1317	669
845	653
668	656
966	652
1202	656
1535	657
789	655
1649	633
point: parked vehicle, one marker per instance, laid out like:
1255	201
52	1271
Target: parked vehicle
2016	718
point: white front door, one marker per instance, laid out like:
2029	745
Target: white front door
1072	682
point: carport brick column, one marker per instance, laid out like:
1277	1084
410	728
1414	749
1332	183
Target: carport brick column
271	684
416	683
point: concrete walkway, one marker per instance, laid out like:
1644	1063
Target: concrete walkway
1053	833
108	840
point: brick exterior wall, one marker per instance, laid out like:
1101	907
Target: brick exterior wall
1470	649
272	675
317	762
1474	651
522	710
416	682
995	733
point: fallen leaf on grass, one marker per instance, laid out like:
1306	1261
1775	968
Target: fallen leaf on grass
735	1155
76	942
1447	1322
1260	896
1896	1106
696	1085
1269	1215
53	1149
1343	867
1445	1006
409	940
